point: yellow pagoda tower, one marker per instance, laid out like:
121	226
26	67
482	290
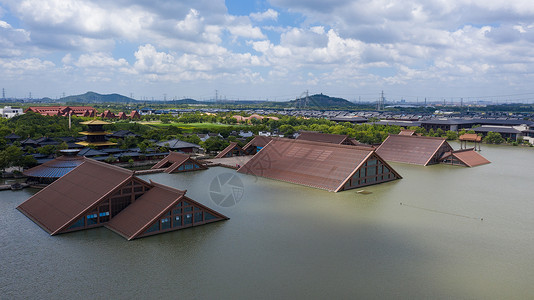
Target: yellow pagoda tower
96	135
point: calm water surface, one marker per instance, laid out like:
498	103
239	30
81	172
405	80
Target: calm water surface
288	241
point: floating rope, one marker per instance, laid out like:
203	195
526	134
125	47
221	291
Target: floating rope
442	212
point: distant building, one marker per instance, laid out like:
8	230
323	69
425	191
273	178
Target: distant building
340	139
96	135
178	145
232	150
256	144
80	111
10	112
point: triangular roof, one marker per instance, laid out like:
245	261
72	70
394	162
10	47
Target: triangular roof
12	136
418	150
407	132
320	165
135	219
468	157
230	151
71	196
177	159
324	137
257	141
177	144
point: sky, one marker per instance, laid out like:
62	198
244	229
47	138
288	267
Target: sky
270	50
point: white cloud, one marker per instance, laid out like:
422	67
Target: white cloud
269	14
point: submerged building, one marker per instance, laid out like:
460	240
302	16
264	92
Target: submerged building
256	144
325	166
97	194
231	150
179	162
412	149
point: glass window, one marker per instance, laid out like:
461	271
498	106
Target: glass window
208	216
371	162
177	211
138	189
185	203
197	208
168	213
92	219
79	223
189	208
180	168
198	217
165	223
154	227
188	219
371	171
177	221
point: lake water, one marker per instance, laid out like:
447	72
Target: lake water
289	241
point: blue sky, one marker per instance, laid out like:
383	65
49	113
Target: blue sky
272	50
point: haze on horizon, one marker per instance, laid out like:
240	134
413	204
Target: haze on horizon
269	49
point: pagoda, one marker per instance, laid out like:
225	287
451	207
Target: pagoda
96	135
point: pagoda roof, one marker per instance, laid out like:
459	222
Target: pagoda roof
95	122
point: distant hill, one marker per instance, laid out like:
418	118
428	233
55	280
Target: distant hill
322	101
92	97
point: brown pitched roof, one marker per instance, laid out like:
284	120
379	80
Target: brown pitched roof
469	157
69	197
230	149
419	150
320	165
257	141
176	159
407	132
323	137
135	219
470	137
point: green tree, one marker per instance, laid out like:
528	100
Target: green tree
493	138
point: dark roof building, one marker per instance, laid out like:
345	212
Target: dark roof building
178	145
232	150
54	169
349	119
504	131
321	165
325	138
179	162
94	193
418	150
465	157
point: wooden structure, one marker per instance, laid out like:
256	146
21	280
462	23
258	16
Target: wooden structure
232	150
465	157
96	194
470	137
178	162
96	135
418	150
256	144
325	166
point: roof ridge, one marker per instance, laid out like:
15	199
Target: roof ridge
324	144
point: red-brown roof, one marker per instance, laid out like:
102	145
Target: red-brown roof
257	141
323	137
135	219
230	149
407	132
418	150
320	165
469	157
62	110
69	197
470	137
176	159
